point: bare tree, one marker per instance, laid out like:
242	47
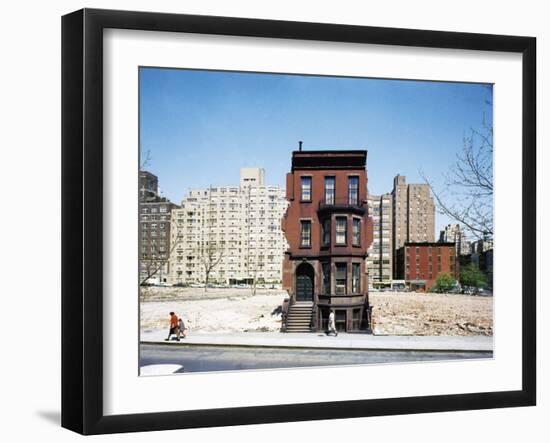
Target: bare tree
209	251
210	256
467	196
254	259
146	160
154	260
257	265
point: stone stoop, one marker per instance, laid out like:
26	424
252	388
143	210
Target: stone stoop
299	317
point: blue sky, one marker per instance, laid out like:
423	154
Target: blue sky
201	127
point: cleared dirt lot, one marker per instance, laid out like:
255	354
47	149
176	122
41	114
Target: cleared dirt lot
236	310
216	310
405	313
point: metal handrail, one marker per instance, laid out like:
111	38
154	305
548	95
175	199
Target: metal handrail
287	303
312	322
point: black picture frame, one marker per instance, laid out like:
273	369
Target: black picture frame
82	214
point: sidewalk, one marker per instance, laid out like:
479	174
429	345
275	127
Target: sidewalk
321	341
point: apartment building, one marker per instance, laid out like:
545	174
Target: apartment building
231	233
413	214
380	252
453	233
421	263
148	186
328	229
480	246
154	231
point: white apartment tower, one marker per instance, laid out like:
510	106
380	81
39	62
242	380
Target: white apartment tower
233	230
252	177
380	252
453	233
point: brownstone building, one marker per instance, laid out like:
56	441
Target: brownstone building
419	264
328	230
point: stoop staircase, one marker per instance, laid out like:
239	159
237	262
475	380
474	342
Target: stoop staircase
299	317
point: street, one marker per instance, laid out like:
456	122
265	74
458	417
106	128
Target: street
231	358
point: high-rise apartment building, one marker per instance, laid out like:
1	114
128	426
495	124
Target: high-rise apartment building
453	233
380	252
231	233
154	231
252	177
479	246
148	186
413	213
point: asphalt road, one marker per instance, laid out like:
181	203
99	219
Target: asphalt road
231	358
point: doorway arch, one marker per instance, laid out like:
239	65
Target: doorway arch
305	277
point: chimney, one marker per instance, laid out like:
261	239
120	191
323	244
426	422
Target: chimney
300	146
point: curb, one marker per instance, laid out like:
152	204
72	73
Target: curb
308	347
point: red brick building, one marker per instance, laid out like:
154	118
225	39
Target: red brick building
419	264
328	231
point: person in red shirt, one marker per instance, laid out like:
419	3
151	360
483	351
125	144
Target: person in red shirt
173	327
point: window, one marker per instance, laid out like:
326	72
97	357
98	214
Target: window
341	277
326	278
356	224
329	190
353	190
326	232
305	233
355	277
341	228
306	189
340	320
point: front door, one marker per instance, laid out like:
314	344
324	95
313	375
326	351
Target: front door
304	282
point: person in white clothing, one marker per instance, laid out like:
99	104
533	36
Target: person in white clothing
332	324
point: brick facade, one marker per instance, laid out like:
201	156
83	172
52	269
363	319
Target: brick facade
328	230
421	263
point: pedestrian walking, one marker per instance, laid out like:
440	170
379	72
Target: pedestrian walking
181	328
332	324
173	327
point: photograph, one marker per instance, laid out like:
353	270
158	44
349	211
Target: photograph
275	220
293	220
